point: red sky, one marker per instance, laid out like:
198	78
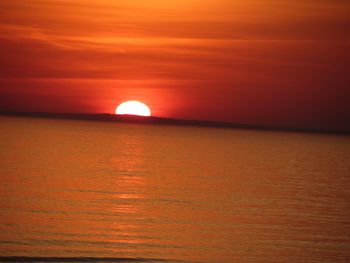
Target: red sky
249	61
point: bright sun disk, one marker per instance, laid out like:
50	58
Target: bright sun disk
133	107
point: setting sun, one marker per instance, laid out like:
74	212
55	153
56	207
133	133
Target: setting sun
133	107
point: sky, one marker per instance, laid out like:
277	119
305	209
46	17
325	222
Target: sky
271	62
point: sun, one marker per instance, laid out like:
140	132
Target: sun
133	107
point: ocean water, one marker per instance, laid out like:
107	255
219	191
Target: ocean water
104	192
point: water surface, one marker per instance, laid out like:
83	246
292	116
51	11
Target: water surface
82	189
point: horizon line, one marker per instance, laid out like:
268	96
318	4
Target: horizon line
169	121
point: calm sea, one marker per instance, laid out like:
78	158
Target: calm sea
168	193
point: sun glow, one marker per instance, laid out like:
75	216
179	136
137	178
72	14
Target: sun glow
133	107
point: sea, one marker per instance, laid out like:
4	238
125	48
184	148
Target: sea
89	191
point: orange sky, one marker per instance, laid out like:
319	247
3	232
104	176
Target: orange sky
260	61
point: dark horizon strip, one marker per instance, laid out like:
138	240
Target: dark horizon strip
79	259
169	121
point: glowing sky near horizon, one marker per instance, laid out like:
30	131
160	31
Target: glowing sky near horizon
261	61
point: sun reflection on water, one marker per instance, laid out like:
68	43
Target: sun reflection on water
129	197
